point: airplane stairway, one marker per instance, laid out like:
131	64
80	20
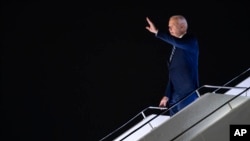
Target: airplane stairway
206	119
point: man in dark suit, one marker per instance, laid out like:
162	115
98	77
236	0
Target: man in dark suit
182	64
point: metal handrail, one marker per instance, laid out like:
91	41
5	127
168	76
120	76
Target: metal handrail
235	78
133	118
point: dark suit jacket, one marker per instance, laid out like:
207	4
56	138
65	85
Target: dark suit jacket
183	67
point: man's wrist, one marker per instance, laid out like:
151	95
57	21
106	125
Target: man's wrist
156	32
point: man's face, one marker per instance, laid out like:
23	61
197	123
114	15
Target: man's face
174	28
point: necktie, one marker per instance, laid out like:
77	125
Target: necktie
172	53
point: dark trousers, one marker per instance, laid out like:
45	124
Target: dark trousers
180	104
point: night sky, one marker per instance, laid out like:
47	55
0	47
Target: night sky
76	70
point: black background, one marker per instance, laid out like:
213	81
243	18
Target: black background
76	70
